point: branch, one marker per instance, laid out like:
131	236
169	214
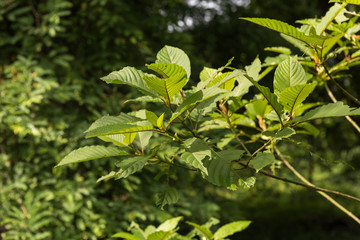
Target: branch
332	97
321	192
339	87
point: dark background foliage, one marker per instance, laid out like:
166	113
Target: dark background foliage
52	54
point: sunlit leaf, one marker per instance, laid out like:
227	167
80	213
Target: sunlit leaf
129	76
230	228
175	55
337	109
293	96
90	153
289	73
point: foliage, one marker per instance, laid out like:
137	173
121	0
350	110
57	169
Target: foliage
189	118
169	229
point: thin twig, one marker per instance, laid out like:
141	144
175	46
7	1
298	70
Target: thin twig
340	87
332	97
322	193
313	187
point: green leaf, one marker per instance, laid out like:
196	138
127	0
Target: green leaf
248	183
289	73
130	166
355	2
261	160
226	78
119	139
125	235
337	109
169	224
169	196
219	167
284	133
301	45
161	235
283	50
194	99
109	120
253	70
292	97
166	70
167	87
287	29
129	76
328	18
329	43
207	73
230	228
175	55
198	150
204	230
90	153
151	117
270	97
160	122
121	128
191	160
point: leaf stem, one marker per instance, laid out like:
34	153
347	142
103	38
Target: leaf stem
235	134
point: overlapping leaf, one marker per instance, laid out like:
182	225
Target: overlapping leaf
207	73
269	96
328	18
219	168
169	196
355	2
194	99
175	55
167	87
120	128
287	30
289	73
292	97
129	76
261	160
337	109
90	153
109	120
203	230
130	166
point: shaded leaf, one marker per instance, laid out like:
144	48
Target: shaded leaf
261	160
284	133
193	100
130	166
191	160
270	97
169	196
248	183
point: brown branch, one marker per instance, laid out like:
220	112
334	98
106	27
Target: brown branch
332	97
340	87
322	193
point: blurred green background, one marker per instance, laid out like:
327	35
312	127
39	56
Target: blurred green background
52	54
